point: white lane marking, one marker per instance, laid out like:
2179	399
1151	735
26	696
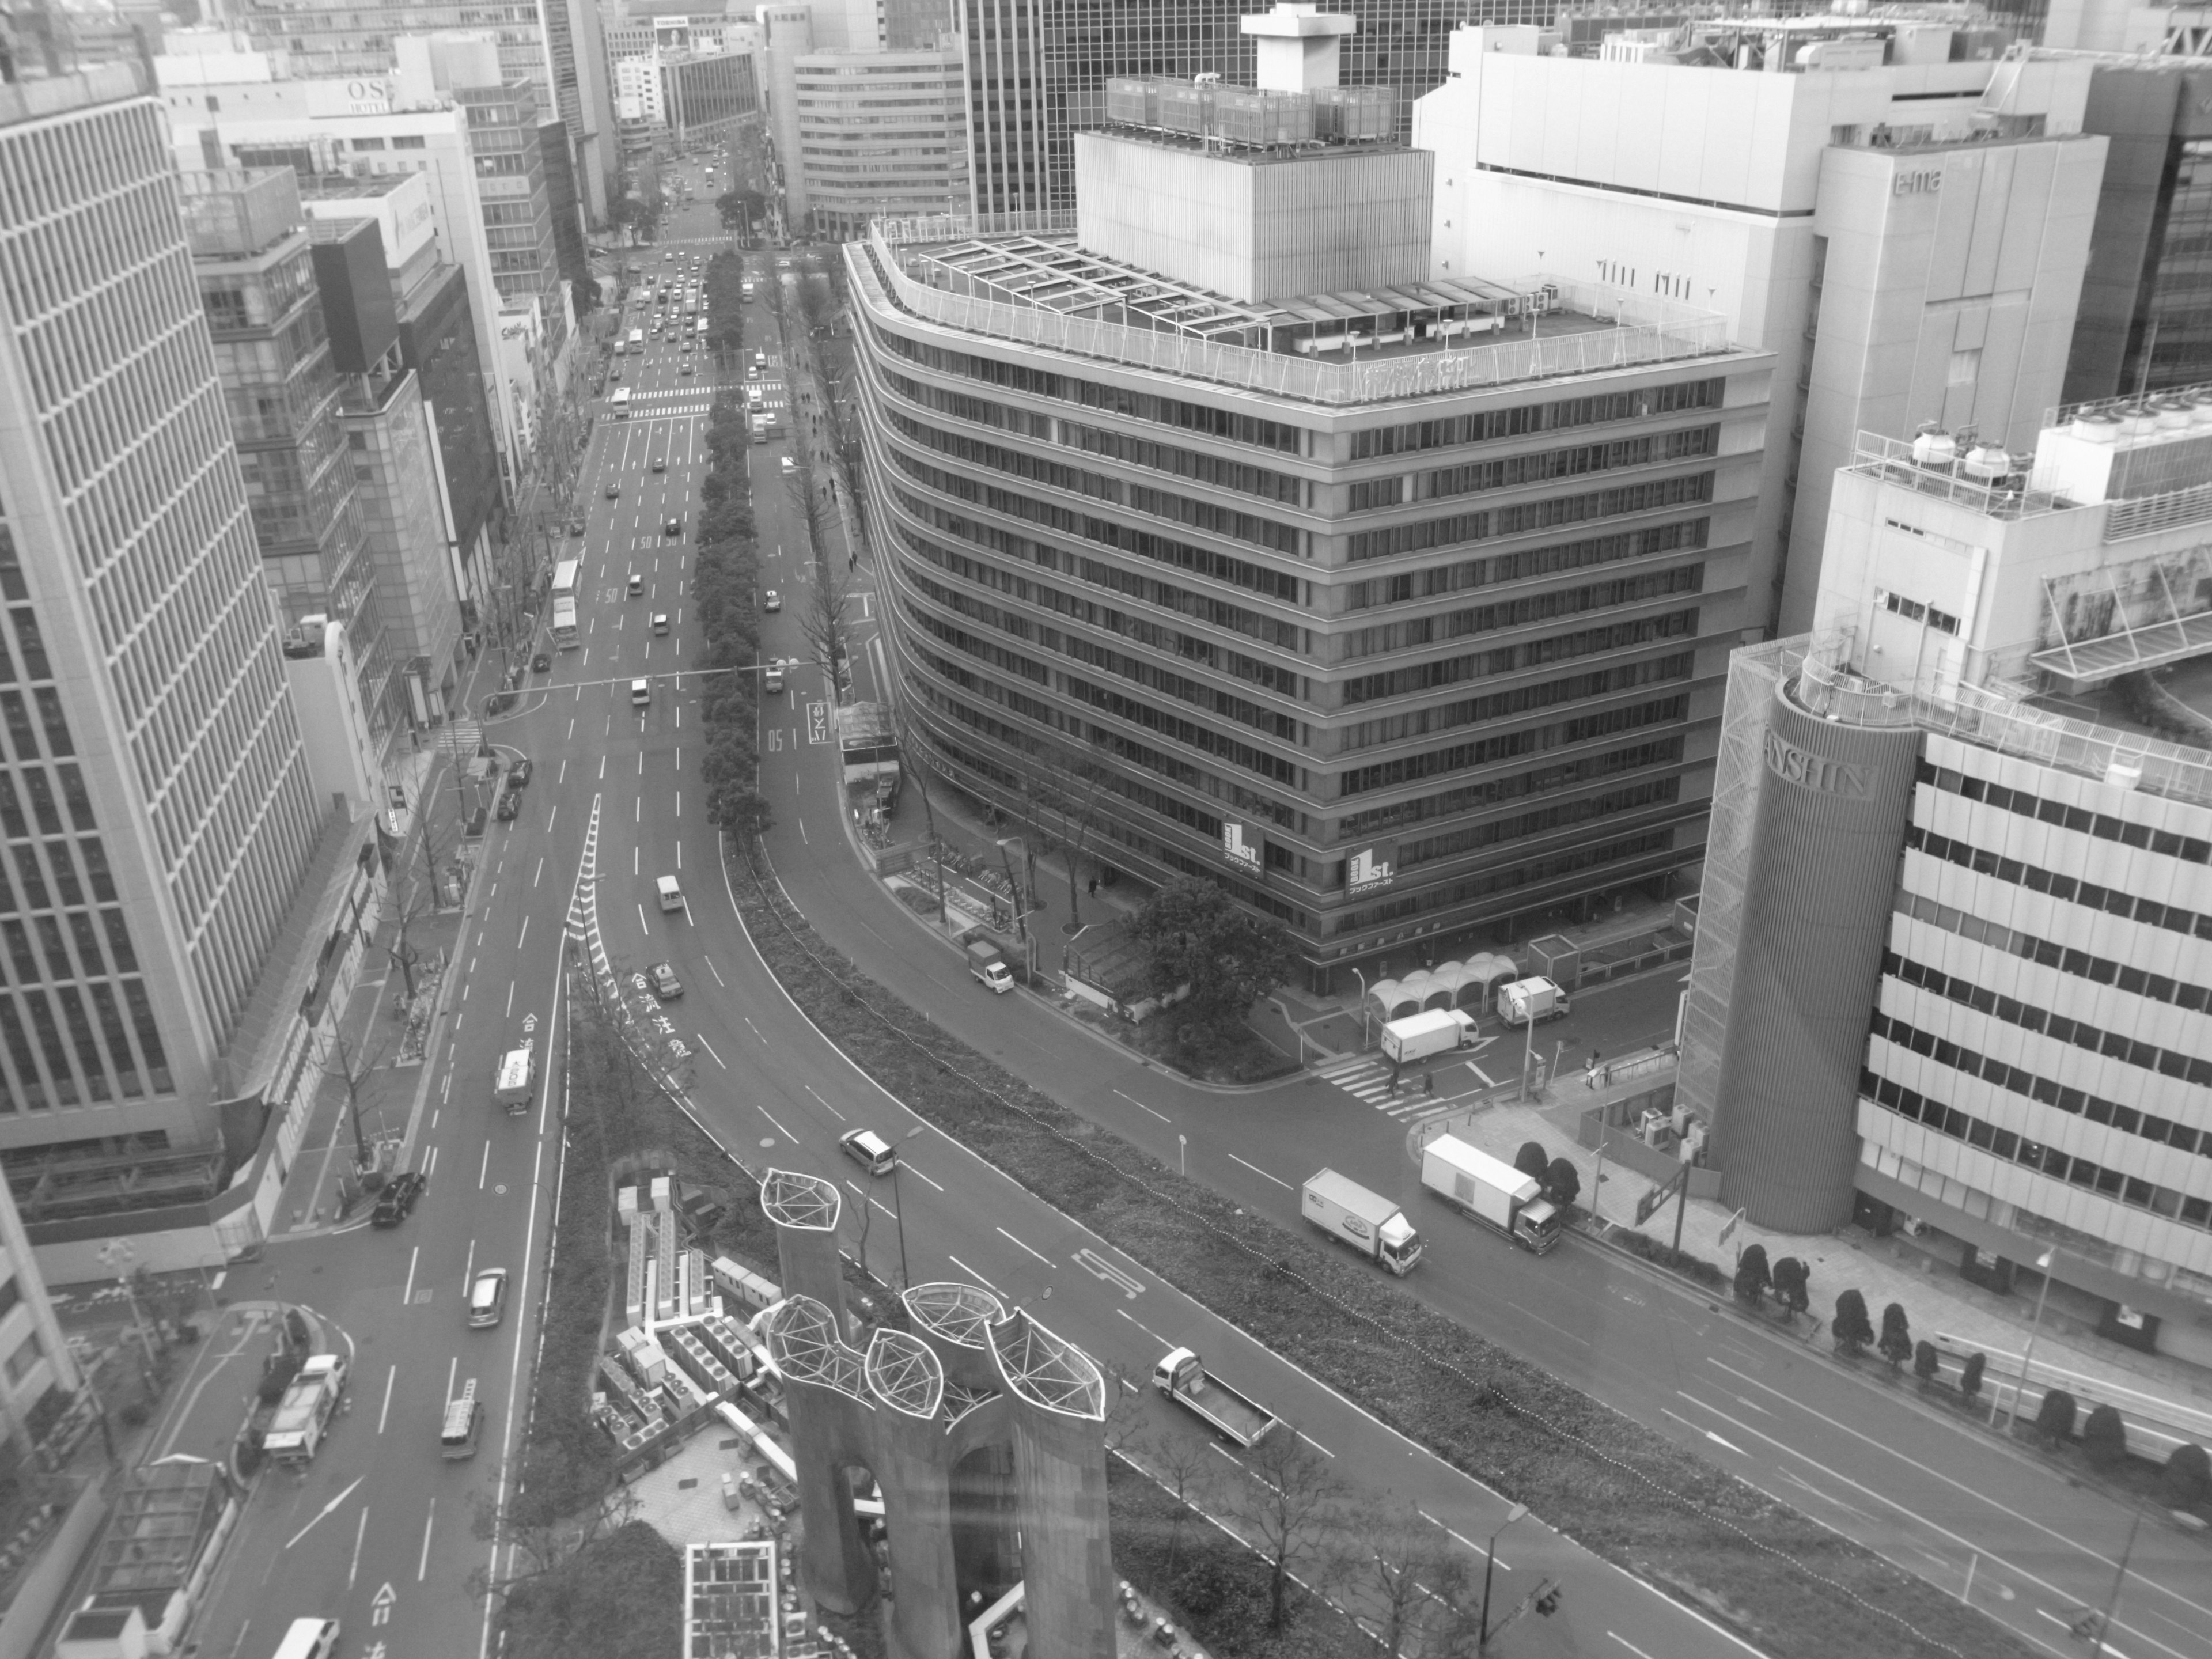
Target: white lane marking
407	1294
841	1117
1141	1107
382	1416
1257	1170
1010	1239
485	1167
965	1269
709	1048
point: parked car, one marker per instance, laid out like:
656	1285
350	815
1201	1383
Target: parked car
540	663
665	985
518	775
509	805
789	465
397	1199
488	1298
771	600
575	526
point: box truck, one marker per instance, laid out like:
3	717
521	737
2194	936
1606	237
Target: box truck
1490	1191
1417	1036
987	963
1181	1377
1369	1222
1527	1000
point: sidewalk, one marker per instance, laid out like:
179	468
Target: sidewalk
1944	1308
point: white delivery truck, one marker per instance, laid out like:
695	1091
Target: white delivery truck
1490	1190
1370	1223
1417	1036
1528	1000
518	1073
305	1411
986	962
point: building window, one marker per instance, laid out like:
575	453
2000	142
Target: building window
28	1352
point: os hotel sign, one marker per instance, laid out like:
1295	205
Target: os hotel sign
363	96
1810	771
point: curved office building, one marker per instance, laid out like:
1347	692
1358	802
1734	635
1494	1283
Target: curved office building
1397	605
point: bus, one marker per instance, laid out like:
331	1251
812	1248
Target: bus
564	622
518	1071
564	577
622	403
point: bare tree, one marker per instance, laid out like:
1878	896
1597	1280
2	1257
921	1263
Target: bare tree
1289	1498
823	621
1418	1592
539	1538
1072	786
1185	1466
910	766
338	1056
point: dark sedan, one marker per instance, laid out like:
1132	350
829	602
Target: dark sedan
399	1198
518	775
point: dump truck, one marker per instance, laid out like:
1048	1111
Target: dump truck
1182	1375
1371	1224
986	962
1527	1000
304	1414
1417	1036
1492	1191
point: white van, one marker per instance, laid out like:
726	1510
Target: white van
463	1425
309	1638
671	895
518	1073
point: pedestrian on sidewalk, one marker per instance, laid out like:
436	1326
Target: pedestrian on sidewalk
1589	1071
1094	887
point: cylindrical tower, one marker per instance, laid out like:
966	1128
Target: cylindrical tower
805	1210
955	1320
1059	1481
826	1396
1817	892
910	1466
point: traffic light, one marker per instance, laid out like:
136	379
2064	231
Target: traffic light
1548	1600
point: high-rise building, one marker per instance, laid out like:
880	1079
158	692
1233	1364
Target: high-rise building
155	799
256	266
1954	945
553	47
880	133
1396	603
34	1355
1037	69
1902	219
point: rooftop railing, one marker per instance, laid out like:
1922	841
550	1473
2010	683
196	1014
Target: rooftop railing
1647	331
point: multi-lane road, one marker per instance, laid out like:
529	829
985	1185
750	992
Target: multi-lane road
378	1529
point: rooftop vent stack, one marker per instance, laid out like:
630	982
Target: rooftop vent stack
1298	45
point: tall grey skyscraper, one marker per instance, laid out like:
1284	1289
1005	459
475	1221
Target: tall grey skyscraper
154	795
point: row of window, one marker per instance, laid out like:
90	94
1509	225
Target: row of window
2061	1028
1201	418
2111	900
1520	699
1490	425
1407	586
1650	496
1645	845
1505	745
2100	971
1518	471
1415	632
2075	1102
2102	825
1453	843
105	1073
1512	659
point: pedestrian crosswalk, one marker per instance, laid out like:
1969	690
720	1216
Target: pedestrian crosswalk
1367	1077
461	738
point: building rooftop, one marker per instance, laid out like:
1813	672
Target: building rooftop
1022	278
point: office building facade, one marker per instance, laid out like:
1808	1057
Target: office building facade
156	802
1955	939
1903	221
880	133
1394	646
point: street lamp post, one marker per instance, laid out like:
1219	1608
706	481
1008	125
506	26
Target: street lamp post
2119	1579
2028	1356
898	1204
1490	1561
1362	978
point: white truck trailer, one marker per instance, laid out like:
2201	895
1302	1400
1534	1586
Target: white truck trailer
1489	1190
1371	1224
1528	1001
1417	1036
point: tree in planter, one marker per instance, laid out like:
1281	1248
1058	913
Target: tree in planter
1896	1343
1751	1275
1421	1595
1851	1329
1970	1377
1532	1160
1562	1182
1289	1507
1194	934
1927	1364
1793	1284
2186	1480
2054	1419
2104	1439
